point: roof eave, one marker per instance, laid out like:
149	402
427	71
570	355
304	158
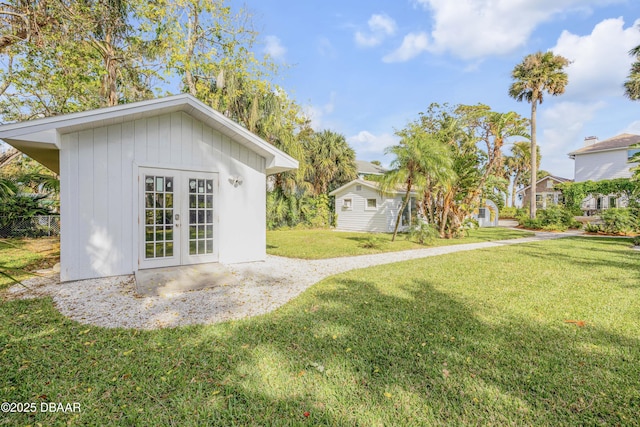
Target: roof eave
42	135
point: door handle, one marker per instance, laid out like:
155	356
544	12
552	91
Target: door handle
177	220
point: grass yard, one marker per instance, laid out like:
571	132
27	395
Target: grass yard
544	333
18	256
317	244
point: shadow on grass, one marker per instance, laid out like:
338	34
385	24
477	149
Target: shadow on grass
590	258
350	352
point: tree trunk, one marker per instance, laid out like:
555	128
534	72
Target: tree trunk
513	190
445	213
407	197
112	70
534	160
191	42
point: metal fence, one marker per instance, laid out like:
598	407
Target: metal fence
37	226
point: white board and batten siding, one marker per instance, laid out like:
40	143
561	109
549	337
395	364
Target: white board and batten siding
99	171
359	216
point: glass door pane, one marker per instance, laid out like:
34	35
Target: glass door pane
201	216
158	199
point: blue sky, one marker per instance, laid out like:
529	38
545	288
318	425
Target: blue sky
365	69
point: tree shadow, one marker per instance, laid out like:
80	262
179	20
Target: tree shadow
350	351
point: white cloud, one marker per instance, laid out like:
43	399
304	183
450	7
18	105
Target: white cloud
412	45
562	131
383	24
600	60
476	28
274	48
380	26
367	144
317	115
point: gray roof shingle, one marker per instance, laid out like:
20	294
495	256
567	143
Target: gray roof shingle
617	142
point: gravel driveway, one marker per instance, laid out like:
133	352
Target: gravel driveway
264	286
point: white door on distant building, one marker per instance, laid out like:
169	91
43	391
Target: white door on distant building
178	217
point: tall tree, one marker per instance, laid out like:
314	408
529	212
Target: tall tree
210	46
81	55
518	166
330	161
536	74
632	85
419	159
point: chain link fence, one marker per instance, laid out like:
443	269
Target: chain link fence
37	226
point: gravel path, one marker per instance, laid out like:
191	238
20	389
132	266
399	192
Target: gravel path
112	302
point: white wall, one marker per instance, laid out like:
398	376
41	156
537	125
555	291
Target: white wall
99	191
359	218
602	165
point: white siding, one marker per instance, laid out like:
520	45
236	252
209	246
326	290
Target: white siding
602	165
359	217
99	191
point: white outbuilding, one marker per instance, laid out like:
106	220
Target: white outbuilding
362	206
157	183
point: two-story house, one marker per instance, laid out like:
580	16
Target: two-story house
600	160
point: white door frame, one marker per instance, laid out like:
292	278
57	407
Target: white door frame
177	226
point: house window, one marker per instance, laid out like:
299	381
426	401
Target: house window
549	183
372	203
346	204
632	152
482	213
538	200
409	210
599	203
549	199
612	202
358	187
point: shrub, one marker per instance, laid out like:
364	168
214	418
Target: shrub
534	224
372	242
591	227
422	233
619	221
636	241
555	227
469	224
508	213
554	218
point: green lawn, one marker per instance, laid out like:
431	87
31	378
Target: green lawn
18	256
476	338
317	244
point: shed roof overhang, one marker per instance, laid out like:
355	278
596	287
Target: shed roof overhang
40	138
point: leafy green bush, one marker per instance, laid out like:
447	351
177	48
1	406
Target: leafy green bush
422	233
299	211
591	227
555	227
469	224
554	218
508	213
636	241
619	221
534	224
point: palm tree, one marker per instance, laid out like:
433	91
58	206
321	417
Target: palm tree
331	161
632	85
419	159
518	165
536	74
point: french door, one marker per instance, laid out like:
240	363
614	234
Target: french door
178	217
